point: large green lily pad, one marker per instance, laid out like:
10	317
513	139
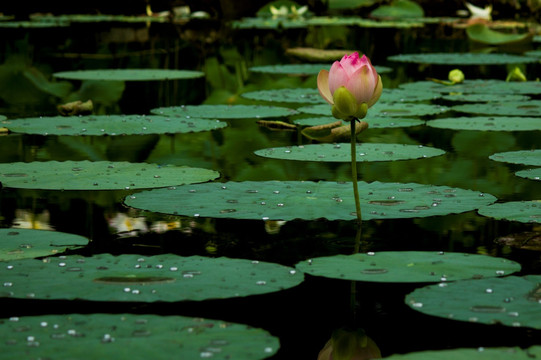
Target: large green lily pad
532	174
483	353
488	123
374	122
384	109
303	69
224	111
399	9
288	200
98	175
510	108
105	277
109	125
483	97
29	243
342	153
462	58
408	266
133	337
511	301
296	95
523	211
477	86
129	74
398	95
524	157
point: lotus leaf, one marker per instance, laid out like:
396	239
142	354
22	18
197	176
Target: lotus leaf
29	243
374	123
533	174
490	87
488	123
483	34
525	157
224	111
455	58
105	277
511	301
109	125
304	69
288	200
133	337
509	108
298	95
482	353
408	266
129	74
399	9
523	211
469	97
384	109
98	175
342	153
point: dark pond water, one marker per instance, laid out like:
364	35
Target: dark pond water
302	317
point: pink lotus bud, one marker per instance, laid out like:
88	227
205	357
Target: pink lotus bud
358	77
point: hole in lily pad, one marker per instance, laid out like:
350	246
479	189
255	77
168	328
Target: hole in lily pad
503	301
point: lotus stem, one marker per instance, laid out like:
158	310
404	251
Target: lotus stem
355	184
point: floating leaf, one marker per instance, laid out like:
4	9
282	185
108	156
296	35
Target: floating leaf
224	111
523	211
384	109
304	69
488	123
462	58
98	175
399	9
105	277
509	108
490	87
298	95
288	200
532	174
482	353
342	152
483	34
129	74
408	266
314	54
29	243
333	132
511	301
398	95
469	97
109	125
135	337
524	157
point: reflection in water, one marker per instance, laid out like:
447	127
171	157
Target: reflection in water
25	219
349	344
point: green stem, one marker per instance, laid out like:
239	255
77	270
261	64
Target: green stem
355	184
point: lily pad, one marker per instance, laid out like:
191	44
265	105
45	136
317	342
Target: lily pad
490	87
134	337
462	58
384	109
315	54
224	111
304	69
297	95
408	266
468	97
481	353
524	157
522	211
109	125
29	243
481	33
129	74
510	301
288	200
98	175
488	123
398	95
532	174
105	277
509	108
399	9
342	152
374	123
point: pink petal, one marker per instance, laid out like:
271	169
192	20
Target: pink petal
323	86
377	93
337	77
362	85
351	63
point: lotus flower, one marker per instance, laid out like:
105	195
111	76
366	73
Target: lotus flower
351	86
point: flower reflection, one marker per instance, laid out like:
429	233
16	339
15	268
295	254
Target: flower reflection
349	344
25	219
126	225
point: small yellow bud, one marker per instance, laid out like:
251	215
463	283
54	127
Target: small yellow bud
456	76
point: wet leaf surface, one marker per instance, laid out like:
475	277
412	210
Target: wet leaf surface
129	74
523	211
488	123
223	111
524	157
